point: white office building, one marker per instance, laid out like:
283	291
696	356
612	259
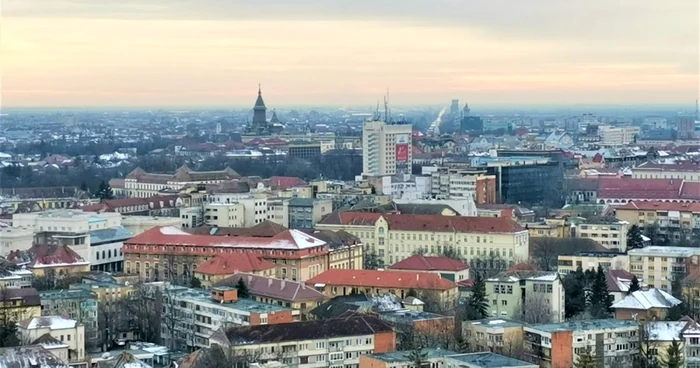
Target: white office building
386	148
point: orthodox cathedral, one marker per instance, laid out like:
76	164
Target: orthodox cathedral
260	125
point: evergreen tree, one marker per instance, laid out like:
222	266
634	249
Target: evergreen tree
634	237
243	291
195	283
8	334
674	356
575	292
634	285
586	360
104	192
477	305
412	292
599	302
84	187
418	357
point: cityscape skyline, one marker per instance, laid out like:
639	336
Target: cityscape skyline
153	53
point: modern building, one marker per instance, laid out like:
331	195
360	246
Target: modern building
502	336
394	237
191	316
235	210
75	229
591	260
386	148
612	235
68	332
447	268
456	183
344	282
617	135
613	342
318	343
304	213
304	150
513	293
15	238
658	266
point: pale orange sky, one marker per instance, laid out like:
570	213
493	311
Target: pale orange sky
325	52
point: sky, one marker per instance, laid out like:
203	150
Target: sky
92	53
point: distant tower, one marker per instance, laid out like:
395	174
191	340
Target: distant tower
465	111
454	108
259	124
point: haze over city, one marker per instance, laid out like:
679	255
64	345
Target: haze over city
99	53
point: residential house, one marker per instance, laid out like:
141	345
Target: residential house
269	290
513	292
50	260
658	266
307	344
619	284
344	282
645	305
447	268
67	331
17	278
19	304
613	342
673	218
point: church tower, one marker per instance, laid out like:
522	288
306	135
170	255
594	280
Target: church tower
259	125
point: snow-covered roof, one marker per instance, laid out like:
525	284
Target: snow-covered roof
172	230
665	330
51	322
647	299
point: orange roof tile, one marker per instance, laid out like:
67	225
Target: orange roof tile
228	264
424	263
383	279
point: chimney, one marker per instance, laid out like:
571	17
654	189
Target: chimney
269	282
282	284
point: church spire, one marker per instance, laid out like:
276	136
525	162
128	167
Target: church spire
259	90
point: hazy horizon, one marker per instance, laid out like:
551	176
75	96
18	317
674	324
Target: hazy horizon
207	54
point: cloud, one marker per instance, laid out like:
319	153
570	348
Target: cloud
329	51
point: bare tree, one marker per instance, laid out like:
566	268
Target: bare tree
144	309
111	321
221	357
535	309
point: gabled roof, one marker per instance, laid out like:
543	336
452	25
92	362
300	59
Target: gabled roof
335	239
383	279
647	299
170	236
433	223
425	263
29	356
49	342
228	264
46	255
619	281
274	288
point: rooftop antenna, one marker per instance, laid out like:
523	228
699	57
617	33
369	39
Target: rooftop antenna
386	106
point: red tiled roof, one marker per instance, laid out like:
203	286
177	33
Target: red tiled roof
424	263
639	188
228	264
659	205
690	190
434	223
521	267
383	279
168	235
44	255
286	182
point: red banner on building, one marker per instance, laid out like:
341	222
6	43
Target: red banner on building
401	153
